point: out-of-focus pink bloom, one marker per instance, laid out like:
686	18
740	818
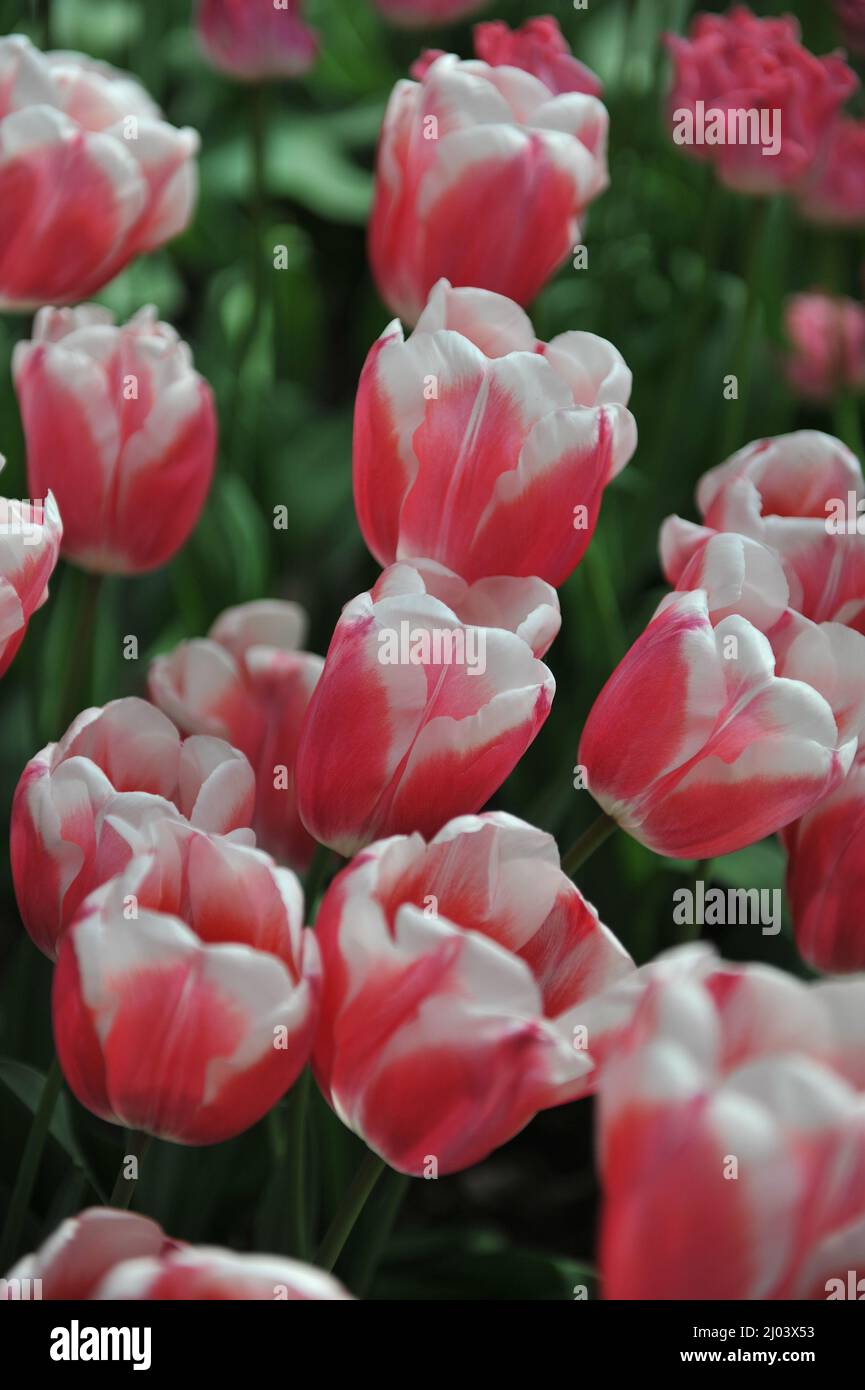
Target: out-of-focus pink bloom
851	17
736	62
732	1142
423	14
826	877
480	447
186	989
30	535
834	193
827	337
538	47
465	140
456	973
787	493
431	692
746	734
247	682
104	1253
90	175
85	805
255	40
122	428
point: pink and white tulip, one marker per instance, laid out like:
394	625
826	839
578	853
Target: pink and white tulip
104	1253
458	144
480	447
90	175
248	683
827	345
85	805
737	61
256	40
456	974
431	692
747	734
186	990
30	536
122	428
732	1135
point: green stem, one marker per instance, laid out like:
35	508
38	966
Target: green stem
349	1210
848	423
365	1269
76	692
29	1166
298	1110
258	210
124	1188
599	831
316	876
737	409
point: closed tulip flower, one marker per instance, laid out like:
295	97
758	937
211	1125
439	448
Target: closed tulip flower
736	62
256	40
826	877
456	974
30	534
90	175
103	1253
247	683
827	345
480	447
421	712
746	736
122	428
834	193
798	494
186	990
731	1140
85	805
458	144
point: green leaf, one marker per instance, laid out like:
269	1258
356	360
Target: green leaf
26	1084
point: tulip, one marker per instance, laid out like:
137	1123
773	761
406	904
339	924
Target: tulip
186	990
538	47
478	446
104	1253
827	336
746	735
457	145
90	175
738	62
418	14
731	1139
30	534
122	429
788	494
85	805
834	193
256	40
421	713
826	877
456	973
247	683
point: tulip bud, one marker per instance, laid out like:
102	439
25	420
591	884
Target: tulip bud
256	40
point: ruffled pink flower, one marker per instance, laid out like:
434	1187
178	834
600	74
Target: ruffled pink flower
538	47
256	40
834	193
480	447
827	338
456	974
90	175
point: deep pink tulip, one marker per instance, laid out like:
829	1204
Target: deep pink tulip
746	734
256	40
826	877
736	61
787	493
186	990
247	682
30	536
85	805
90	175
827	338
423	14
465	140
456	973
834	193
480	447
103	1253
431	692
732	1144
123	430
